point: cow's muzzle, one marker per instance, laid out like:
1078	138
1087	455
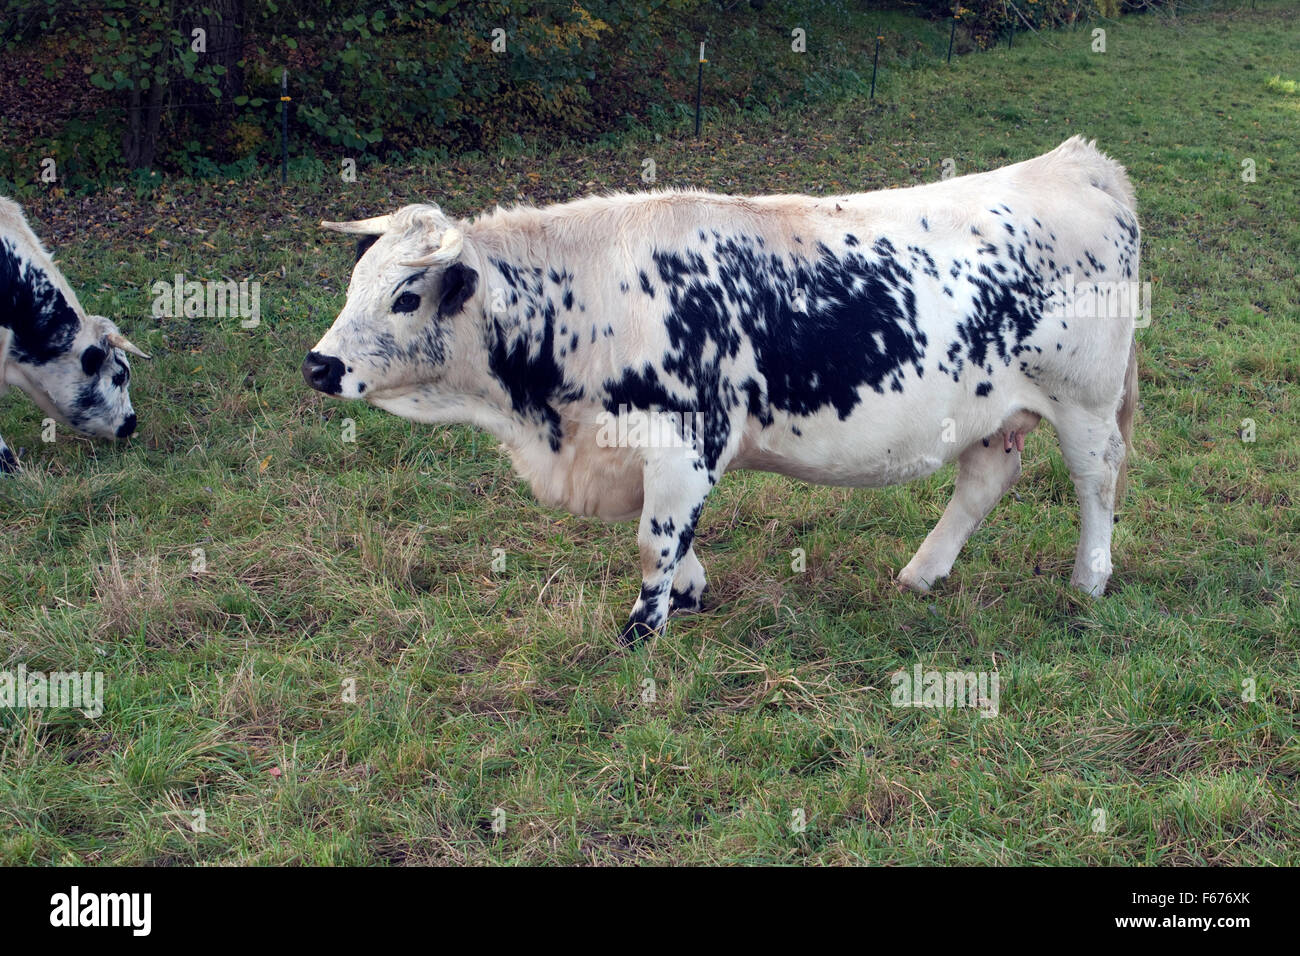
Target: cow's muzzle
323	372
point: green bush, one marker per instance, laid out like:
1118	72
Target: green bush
193	86
396	75
987	21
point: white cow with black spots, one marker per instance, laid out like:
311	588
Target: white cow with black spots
859	340
73	365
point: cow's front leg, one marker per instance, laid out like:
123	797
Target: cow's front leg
675	489
8	460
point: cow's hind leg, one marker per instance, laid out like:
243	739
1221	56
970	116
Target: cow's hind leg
8	460
689	585
675	489
986	470
1093	449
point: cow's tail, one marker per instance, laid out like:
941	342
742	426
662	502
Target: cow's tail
1124	418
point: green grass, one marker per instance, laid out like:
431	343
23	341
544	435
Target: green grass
475	690
1287	87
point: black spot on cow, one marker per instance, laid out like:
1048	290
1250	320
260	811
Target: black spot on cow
92	360
531	378
642	623
645	285
857	328
1007	307
42	321
686	600
522	349
983	388
89	398
459	282
756	402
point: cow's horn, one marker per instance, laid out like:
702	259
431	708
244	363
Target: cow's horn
366	227
120	341
447	251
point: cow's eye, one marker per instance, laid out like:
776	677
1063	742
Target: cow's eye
406	302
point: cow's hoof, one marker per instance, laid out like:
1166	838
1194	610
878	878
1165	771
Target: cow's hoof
634	633
1091	584
686	602
910	580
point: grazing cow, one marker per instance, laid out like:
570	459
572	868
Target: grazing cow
858	340
73	365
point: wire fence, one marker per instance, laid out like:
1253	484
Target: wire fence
1087	15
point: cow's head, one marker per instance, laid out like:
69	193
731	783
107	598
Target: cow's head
79	374
405	314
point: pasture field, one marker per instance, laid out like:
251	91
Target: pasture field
1154	726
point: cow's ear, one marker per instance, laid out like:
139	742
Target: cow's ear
364	243
459	282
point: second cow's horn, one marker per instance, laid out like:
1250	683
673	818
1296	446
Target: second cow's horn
366	227
120	341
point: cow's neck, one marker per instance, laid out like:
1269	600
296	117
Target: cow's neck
519	333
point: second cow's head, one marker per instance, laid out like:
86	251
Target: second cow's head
406	314
73	365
